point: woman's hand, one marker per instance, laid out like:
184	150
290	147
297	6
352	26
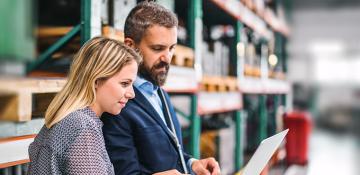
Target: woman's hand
169	172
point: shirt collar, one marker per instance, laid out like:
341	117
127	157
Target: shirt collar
145	85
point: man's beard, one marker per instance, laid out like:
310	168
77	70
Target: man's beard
157	78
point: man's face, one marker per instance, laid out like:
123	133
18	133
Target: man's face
157	48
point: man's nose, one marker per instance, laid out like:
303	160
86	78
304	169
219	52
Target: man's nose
167	56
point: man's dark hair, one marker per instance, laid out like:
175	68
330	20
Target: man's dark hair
145	15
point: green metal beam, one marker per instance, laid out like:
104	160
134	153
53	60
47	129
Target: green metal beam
182	113
17	40
284	54
283	100
279	46
85	20
195	13
238	121
194	26
238	141
263	119
234	55
55	47
195	128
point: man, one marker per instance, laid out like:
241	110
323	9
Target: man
145	137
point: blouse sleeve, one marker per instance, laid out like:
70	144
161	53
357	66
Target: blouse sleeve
85	154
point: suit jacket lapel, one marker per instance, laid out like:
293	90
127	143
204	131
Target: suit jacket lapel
141	100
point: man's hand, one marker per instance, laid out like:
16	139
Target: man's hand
169	172
208	166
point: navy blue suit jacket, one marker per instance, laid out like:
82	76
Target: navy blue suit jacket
138	141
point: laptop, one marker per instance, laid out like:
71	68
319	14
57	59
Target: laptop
263	154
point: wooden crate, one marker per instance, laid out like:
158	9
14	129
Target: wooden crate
20	99
183	56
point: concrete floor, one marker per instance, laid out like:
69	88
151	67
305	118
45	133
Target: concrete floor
330	154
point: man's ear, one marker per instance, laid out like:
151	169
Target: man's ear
129	42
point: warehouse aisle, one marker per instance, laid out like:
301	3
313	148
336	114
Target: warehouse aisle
331	153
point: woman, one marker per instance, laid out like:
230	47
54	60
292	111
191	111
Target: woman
100	80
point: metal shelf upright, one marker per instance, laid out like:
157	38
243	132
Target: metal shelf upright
195	27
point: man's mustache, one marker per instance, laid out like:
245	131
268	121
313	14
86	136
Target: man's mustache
161	65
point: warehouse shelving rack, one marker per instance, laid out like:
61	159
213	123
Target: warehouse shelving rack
16	136
190	86
84	29
263	87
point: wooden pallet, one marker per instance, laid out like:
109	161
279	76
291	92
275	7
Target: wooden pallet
113	33
47	31
231	84
276	75
212	84
252	71
20	99
46	74
183	56
218	84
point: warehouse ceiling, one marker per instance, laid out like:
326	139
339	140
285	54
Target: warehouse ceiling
324	4
327	20
322	29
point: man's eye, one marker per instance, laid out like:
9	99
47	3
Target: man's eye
157	48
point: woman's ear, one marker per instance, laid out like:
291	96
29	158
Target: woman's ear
129	42
96	84
99	82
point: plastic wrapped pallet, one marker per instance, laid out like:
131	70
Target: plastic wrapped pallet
227	149
218	58
169	4
121	10
206	59
225	55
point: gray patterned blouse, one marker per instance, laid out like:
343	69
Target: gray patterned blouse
75	145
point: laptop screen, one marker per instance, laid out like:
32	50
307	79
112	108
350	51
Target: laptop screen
263	153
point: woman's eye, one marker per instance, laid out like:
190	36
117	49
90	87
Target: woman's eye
125	84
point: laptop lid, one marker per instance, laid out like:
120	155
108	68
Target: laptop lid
263	153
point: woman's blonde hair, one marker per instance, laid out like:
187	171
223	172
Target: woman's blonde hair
97	60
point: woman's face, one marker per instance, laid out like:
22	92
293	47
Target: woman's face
113	93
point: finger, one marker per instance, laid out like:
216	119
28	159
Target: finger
212	163
171	173
213	166
175	172
216	171
202	171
